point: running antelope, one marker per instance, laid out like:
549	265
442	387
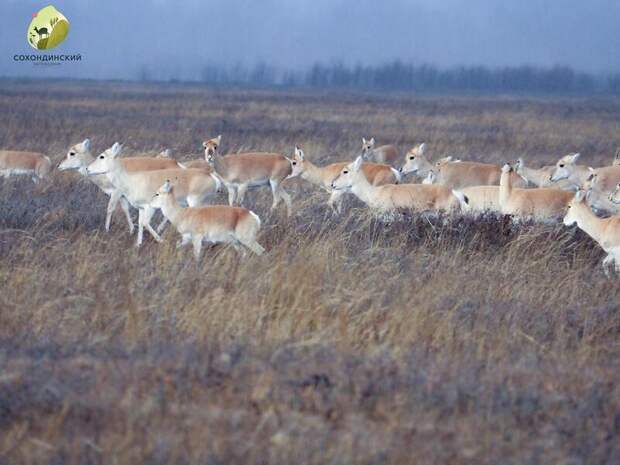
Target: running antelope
385	154
540	177
605	231
79	157
455	174
392	196
323	176
540	204
33	164
567	168
139	187
241	171
216	223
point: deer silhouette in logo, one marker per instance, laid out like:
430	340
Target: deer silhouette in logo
41	32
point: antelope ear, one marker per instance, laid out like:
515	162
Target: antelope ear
372	141
219	139
618	153
422	148
86	144
364	140
357	164
506	168
449	158
116	150
574	157
580	195
300	153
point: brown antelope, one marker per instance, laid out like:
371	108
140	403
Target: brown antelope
455	174
393	196
322	176
79	157
605	231
540	177
33	164
216	223
239	172
567	168
540	204
139	187
385	154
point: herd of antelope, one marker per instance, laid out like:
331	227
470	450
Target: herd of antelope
566	191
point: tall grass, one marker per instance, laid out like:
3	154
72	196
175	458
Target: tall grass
422	340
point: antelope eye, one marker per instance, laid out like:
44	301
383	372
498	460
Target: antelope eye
345	172
411	158
294	163
71	154
101	157
561	166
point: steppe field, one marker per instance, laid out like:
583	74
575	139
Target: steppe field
419	341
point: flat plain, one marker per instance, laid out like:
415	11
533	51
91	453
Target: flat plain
435	340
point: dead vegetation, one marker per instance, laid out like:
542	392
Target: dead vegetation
424	340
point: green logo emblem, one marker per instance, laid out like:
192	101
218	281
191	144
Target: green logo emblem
48	29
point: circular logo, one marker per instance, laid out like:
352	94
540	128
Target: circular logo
48	29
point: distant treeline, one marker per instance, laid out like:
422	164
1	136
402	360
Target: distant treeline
398	76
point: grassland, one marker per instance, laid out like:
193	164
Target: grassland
426	340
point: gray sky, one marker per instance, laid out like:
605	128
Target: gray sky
176	38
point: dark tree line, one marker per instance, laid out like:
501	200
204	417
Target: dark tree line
398	76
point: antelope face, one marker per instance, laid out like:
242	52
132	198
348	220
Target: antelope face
367	146
103	163
210	146
297	163
158	199
77	157
415	160
346	178
571	213
564	167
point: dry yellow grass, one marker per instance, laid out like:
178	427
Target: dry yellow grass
425	340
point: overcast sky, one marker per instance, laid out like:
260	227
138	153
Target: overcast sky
176	38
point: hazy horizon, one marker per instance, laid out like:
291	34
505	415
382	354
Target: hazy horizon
178	39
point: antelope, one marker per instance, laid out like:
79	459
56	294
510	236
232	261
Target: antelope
215	223
567	168
138	187
239	172
455	174
323	176
385	154
540	177
541	204
392	196
33	164
605	231
79	157
616	161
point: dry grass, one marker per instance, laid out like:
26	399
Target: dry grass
426	340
